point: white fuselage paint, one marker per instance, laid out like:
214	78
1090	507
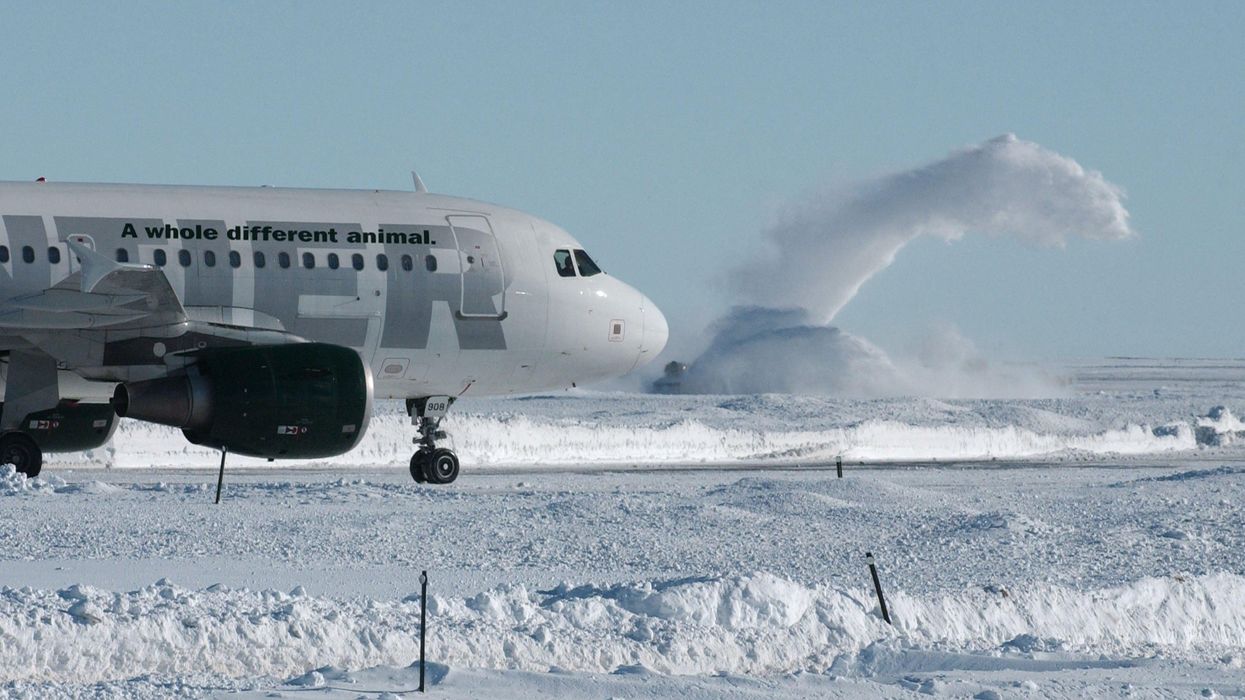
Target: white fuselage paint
540	331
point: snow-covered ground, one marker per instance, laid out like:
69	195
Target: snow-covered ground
1092	545
1121	409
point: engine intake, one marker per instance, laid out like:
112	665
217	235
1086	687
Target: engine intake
304	400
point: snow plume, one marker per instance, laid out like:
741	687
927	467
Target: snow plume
756	350
824	247
946	364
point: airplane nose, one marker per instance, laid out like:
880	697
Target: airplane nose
656	332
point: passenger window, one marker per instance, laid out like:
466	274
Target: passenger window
382	262
123	255
209	258
4	253
309	261
160	257
54	255
28	254
357	261
430	262
408	263
259	259
587	268
283	259
334	263
235	259
183	257
562	261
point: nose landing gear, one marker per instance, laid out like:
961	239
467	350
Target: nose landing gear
431	464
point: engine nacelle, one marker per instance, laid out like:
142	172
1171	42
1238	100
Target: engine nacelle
71	426
303	400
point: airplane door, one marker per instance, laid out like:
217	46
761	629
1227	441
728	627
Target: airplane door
482	291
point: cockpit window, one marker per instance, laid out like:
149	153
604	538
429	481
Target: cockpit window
587	267
562	261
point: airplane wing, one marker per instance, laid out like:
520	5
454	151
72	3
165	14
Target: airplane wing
122	328
103	294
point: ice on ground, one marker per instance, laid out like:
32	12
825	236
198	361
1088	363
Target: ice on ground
757	625
1225	470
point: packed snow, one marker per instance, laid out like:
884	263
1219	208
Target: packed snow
613	545
754	625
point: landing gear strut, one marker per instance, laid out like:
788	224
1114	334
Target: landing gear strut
20	450
31	386
431	464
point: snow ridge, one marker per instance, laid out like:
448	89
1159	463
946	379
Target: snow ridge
502	439
755	624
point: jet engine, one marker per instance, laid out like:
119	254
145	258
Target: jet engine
303	400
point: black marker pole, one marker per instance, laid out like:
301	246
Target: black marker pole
220	479
877	586
423	608
838	464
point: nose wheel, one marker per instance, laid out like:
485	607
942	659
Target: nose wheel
437	467
431	464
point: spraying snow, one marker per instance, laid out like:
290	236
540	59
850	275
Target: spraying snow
759	350
825	247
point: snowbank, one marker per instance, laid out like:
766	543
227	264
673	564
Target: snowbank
1218	428
13	482
621	430
521	441
754	625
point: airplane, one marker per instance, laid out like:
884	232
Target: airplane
264	321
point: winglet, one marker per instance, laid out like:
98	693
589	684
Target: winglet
95	266
419	184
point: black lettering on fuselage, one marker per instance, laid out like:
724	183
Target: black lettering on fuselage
226	277
186	233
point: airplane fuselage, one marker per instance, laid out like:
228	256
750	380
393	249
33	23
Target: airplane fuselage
439	295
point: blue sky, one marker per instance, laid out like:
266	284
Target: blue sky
665	135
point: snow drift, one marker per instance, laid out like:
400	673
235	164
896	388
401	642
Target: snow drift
621	430
756	624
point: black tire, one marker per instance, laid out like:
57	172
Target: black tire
21	451
443	467
419	467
